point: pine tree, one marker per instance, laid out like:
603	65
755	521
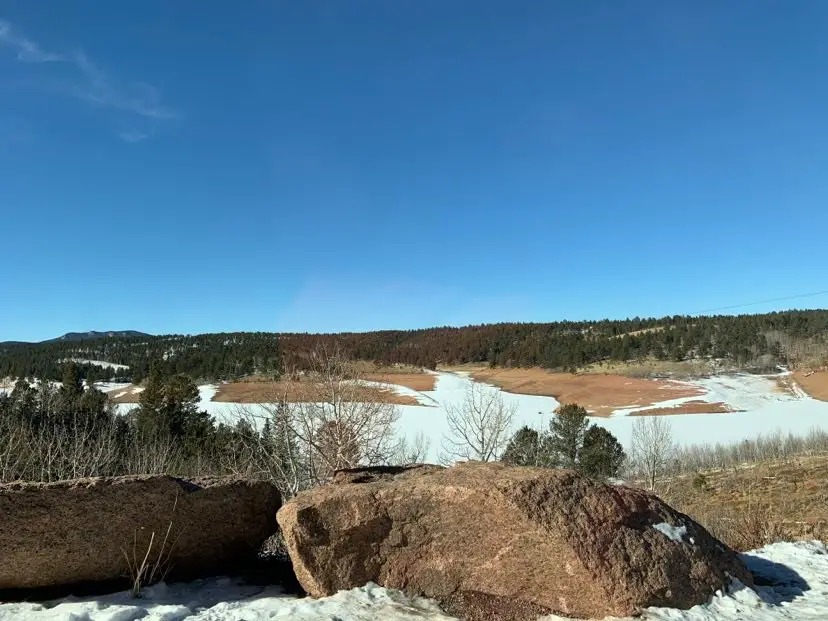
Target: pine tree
602	454
530	448
567	432
149	415
72	382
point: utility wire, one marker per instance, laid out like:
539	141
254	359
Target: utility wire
784	299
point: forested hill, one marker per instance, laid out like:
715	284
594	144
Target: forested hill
794	338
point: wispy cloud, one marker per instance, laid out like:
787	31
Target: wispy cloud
27	50
136	97
132	136
87	82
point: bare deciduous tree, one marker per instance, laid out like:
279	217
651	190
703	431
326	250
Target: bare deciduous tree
152	453
340	422
412	452
479	428
15	449
652	447
348	423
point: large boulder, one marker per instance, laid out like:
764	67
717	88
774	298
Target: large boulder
490	541
92	530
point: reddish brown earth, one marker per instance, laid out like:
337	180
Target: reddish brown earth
421	382
598	393
815	383
691	407
301	391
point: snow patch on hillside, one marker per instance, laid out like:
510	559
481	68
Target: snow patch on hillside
98	363
740	392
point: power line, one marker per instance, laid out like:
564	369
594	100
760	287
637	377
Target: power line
784	299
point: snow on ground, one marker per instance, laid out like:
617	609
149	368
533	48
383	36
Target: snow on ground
764	410
673	533
741	392
794	578
227	599
759	409
100	363
116	388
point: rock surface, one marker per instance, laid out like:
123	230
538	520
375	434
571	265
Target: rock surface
82	531
490	541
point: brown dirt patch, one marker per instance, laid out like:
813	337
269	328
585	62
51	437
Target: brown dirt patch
600	394
690	407
415	381
299	392
815	383
130	394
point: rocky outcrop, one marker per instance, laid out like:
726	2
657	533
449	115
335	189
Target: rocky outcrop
83	531
490	541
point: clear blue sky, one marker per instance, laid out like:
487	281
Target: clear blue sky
198	166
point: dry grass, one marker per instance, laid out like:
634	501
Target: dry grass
131	394
652	368
640	332
299	391
367	367
415	381
815	383
750	506
690	407
600	394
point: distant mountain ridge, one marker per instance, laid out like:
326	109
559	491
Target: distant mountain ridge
797	339
94	334
77	337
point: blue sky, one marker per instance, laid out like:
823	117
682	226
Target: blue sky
198	166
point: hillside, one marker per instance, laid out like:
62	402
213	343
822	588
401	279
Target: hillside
92	335
798	339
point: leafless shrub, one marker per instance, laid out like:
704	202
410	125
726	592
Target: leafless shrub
413	452
479	428
652	448
58	449
152	453
776	446
298	445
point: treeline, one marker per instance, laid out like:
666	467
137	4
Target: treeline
222	356
790	337
52	433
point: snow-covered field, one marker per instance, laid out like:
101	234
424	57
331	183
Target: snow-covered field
797	575
759	408
762	409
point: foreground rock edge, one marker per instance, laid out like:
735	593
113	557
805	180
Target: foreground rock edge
495	541
83	532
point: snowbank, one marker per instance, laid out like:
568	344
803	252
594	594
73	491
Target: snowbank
795	575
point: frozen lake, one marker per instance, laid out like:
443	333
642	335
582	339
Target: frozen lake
765	410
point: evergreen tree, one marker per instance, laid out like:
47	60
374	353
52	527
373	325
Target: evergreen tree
149	414
530	448
567	432
602	454
72	382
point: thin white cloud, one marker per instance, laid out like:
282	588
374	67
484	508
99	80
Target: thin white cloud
27	50
91	84
132	136
138	97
